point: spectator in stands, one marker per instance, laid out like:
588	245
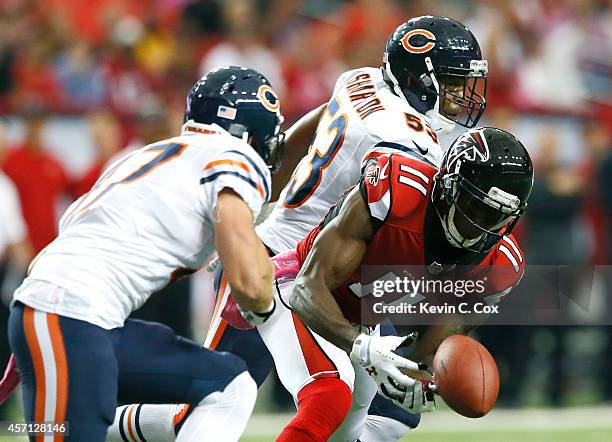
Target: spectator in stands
35	80
126	79
243	45
554	206
80	77
108	141
155	50
312	66
40	180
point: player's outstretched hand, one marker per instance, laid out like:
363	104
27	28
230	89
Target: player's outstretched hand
418	399
376	355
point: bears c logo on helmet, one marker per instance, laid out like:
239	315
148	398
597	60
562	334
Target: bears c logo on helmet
422	41
268	98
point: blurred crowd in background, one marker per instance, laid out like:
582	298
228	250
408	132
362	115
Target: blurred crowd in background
80	82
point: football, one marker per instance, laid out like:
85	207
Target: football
466	376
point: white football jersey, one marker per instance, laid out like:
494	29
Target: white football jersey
364	118
149	218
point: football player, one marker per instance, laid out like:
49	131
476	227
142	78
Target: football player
433	77
403	212
152	216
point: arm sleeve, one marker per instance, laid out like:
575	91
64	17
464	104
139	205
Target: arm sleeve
506	271
239	172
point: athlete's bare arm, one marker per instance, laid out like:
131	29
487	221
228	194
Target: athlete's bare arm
427	344
245	261
299	136
335	255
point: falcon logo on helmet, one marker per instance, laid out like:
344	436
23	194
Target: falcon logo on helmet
425	40
471	145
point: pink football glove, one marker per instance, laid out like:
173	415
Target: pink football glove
286	267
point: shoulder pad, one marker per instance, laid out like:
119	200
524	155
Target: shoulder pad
345	77
394	127
411	184
395	185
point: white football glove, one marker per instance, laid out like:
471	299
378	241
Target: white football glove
257	318
375	354
418	399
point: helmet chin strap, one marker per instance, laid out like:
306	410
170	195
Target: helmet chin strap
437	121
396	87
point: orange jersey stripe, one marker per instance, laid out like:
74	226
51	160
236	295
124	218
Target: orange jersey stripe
261	191
39	368
61	369
228	162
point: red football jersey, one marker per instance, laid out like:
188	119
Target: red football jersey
397	189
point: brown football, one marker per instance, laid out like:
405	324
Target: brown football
466	376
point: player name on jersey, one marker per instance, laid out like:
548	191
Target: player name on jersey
362	94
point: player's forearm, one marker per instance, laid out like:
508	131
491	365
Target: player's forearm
251	280
243	256
317	309
428	343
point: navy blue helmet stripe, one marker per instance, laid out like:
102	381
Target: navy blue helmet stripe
257	169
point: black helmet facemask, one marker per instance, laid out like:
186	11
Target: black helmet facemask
472	219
